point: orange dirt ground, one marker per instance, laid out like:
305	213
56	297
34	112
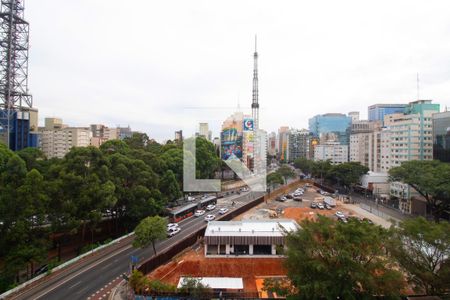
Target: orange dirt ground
193	263
301	213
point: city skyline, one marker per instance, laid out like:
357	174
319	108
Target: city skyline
201	59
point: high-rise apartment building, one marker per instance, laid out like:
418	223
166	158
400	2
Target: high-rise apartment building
272	144
101	134
283	143
299	144
365	146
333	151
56	139
333	127
179	135
411	133
377	112
204	131
124	132
441	136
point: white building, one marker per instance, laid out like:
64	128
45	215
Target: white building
333	151
247	237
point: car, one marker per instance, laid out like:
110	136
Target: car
223	210
319	190
172	225
172	231
289	196
41	270
209	218
210	207
328	207
339	214
199	213
313	205
343	219
190	198
320	206
298	199
297	194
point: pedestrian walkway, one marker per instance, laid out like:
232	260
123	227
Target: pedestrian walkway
104	292
386	223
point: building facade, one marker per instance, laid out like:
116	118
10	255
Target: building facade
333	151
283	143
365	144
56	139
249	237
272	144
299	144
333	127
377	112
441	136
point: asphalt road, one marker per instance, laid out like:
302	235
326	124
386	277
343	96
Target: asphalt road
86	277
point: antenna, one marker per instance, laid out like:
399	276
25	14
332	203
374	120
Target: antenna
418	88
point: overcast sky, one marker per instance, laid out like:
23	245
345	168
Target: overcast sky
160	66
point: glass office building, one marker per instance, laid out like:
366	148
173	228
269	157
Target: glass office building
377	112
441	136
331	127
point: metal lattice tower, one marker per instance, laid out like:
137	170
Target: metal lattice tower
255	104
14	44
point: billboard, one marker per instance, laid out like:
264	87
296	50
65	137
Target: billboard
248	124
231	144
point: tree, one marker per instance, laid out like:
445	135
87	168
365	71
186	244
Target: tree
149	231
286	172
329	259
274	178
168	186
304	164
422	248
321	168
137	140
347	174
430	179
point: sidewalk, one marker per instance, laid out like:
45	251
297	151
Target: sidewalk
367	214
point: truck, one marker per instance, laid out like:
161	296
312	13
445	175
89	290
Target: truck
329	201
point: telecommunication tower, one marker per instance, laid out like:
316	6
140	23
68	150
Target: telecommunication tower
255	104
15	100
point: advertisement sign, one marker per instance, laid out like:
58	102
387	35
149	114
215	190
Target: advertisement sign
231	144
248	125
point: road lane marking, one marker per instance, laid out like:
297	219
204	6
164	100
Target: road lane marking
75	284
87	268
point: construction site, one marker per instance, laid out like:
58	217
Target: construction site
253	270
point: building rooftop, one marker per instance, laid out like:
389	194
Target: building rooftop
235	283
250	227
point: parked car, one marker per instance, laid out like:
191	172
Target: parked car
223	210
281	199
313	205
328	207
172	231
172	225
209	218
41	270
289	196
199	213
343	219
320	206
339	214
190	198
210	207
298	199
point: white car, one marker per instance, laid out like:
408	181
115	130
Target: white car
339	214
210	207
199	213
298	194
172	225
209	218
320	206
190	198
223	210
172	231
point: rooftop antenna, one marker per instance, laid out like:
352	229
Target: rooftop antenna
418	88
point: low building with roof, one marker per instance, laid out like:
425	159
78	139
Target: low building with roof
247	237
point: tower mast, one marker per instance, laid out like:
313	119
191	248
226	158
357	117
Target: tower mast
255	104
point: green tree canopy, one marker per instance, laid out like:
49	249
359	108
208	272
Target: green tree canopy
286	172
274	178
422	248
328	259
305	165
430	179
347	174
149	231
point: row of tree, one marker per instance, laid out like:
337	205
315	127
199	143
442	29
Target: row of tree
122	180
327	259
